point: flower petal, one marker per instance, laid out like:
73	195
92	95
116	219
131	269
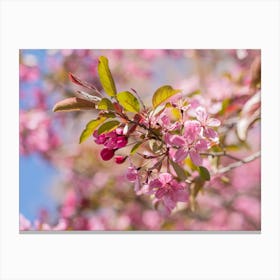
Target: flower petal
213	122
180	195
169	202
180	155
195	157
177	140
210	133
201	114
161	192
156	183
165	178
201	145
192	130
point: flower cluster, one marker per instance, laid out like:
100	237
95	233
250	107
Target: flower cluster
164	136
112	141
176	156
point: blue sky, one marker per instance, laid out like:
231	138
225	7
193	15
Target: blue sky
35	176
35	173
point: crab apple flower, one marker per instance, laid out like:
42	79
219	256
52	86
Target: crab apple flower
189	144
132	173
167	124
168	190
192	150
107	154
206	123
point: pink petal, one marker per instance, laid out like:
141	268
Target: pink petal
165	178
169	202
180	155
192	130
213	122
201	114
167	138
201	145
161	192
195	157
177	140
165	120
131	174
180	195
210	133
137	186
156	183
175	126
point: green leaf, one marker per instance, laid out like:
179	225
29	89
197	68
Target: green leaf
73	104
225	104
105	104
108	115
105	76
193	93
162	94
108	126
90	127
135	148
204	173
181	173
128	101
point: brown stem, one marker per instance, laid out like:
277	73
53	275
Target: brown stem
239	163
221	154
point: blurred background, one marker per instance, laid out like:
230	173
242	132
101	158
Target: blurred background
65	185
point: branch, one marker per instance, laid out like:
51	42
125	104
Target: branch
239	163
221	154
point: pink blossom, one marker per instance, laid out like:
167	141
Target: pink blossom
69	205
132	173
189	144
206	123
24	224
168	190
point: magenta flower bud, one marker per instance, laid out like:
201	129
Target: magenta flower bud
120	159
121	141
99	139
107	154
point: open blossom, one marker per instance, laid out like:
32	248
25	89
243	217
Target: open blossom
190	143
133	176
132	173
168	190
207	123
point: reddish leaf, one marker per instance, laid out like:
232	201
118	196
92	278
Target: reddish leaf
79	82
73	104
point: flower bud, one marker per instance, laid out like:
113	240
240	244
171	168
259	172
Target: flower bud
107	154
120	159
